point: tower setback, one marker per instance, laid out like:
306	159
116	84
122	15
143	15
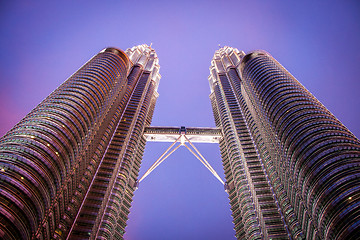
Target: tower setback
292	168
68	168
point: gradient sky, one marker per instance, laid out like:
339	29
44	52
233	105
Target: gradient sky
43	42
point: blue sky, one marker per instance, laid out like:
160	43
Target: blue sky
43	42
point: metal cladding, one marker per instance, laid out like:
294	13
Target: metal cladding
68	168
292	168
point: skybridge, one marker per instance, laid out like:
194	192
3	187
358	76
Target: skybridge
182	137
193	134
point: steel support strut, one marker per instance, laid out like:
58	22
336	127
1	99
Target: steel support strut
182	139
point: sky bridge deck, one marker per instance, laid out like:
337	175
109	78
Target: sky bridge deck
194	134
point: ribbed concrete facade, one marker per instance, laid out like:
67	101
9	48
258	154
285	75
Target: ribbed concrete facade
69	167
292	168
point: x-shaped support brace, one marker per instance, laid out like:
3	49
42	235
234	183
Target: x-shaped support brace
182	140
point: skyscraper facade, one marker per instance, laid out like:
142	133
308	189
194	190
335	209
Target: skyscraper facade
69	168
292	168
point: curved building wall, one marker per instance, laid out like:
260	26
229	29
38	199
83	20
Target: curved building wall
315	157
255	210
44	158
105	208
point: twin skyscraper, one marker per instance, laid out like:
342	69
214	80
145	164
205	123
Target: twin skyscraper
69	169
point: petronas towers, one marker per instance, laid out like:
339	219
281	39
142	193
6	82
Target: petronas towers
69	169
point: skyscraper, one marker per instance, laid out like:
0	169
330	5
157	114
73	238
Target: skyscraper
292	168
68	168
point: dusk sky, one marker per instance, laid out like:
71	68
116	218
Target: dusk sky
43	42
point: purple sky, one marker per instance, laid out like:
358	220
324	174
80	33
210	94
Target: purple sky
42	43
